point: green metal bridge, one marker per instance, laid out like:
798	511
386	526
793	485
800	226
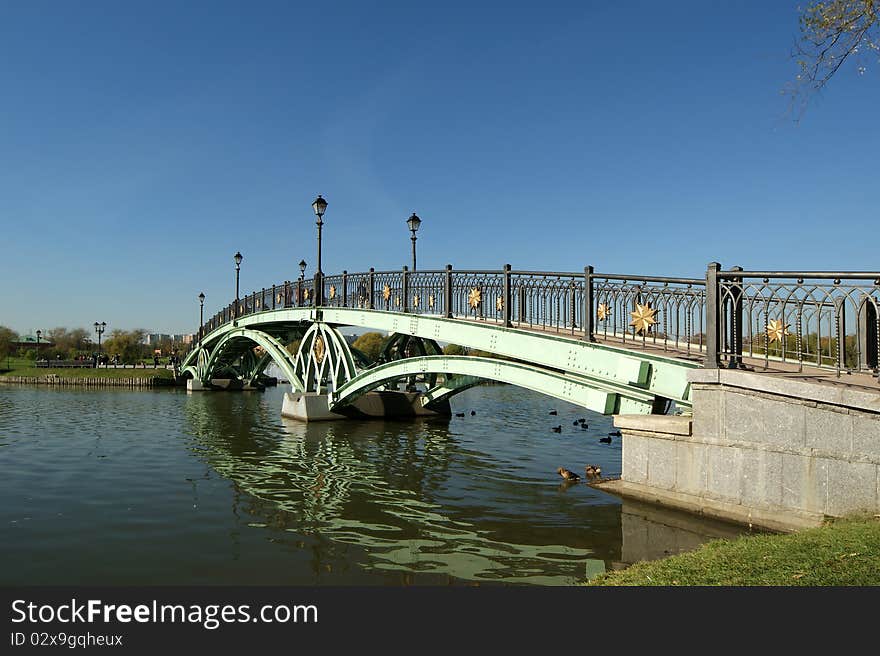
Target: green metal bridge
611	343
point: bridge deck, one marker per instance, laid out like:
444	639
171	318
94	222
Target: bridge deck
775	368
696	353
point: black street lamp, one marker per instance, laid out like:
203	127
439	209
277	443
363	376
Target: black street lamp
302	269
100	328
413	222
238	258
201	316
320	206
39	334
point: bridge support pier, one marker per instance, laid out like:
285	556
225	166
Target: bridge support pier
780	453
226	384
195	385
387	404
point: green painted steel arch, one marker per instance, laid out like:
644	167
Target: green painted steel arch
273	347
638	371
589	393
453	385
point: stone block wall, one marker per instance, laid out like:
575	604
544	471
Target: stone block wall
777	452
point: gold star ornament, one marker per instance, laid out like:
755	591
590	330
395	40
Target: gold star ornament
332	291
776	330
499	304
416	300
474	298
643	318
603	311
386	292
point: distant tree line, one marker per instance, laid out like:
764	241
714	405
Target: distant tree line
72	344
371	345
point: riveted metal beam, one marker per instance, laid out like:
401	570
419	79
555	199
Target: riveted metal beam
650	374
586	392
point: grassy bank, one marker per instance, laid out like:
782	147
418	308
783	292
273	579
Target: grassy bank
841	552
25	367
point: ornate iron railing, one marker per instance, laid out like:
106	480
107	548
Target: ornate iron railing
426	292
661	312
819	319
547	300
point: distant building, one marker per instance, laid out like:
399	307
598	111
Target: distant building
30	341
154	339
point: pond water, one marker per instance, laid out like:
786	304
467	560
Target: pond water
163	487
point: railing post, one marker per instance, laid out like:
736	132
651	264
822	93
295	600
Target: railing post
736	321
506	299
372	289
318	291
274	296
867	335
344	288
447	291
589	317
405	290
299	292
713	333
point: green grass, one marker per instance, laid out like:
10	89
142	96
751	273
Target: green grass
15	363
149	372
843	552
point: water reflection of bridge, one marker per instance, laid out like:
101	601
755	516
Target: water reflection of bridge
382	489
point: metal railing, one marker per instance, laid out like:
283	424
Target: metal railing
799	318
816	318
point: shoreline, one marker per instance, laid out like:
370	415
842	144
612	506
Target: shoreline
98	381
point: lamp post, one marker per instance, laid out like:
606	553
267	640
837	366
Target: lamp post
39	334
201	316
300	283
320	206
238	258
413	222
100	328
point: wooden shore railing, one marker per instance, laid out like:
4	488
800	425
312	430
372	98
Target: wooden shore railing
58	381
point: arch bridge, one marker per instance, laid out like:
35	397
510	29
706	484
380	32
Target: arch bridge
608	342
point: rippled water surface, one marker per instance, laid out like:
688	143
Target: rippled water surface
164	487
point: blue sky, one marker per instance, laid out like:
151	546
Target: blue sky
142	144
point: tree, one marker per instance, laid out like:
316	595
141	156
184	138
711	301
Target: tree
454	349
831	32
370	344
7	337
66	343
129	344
